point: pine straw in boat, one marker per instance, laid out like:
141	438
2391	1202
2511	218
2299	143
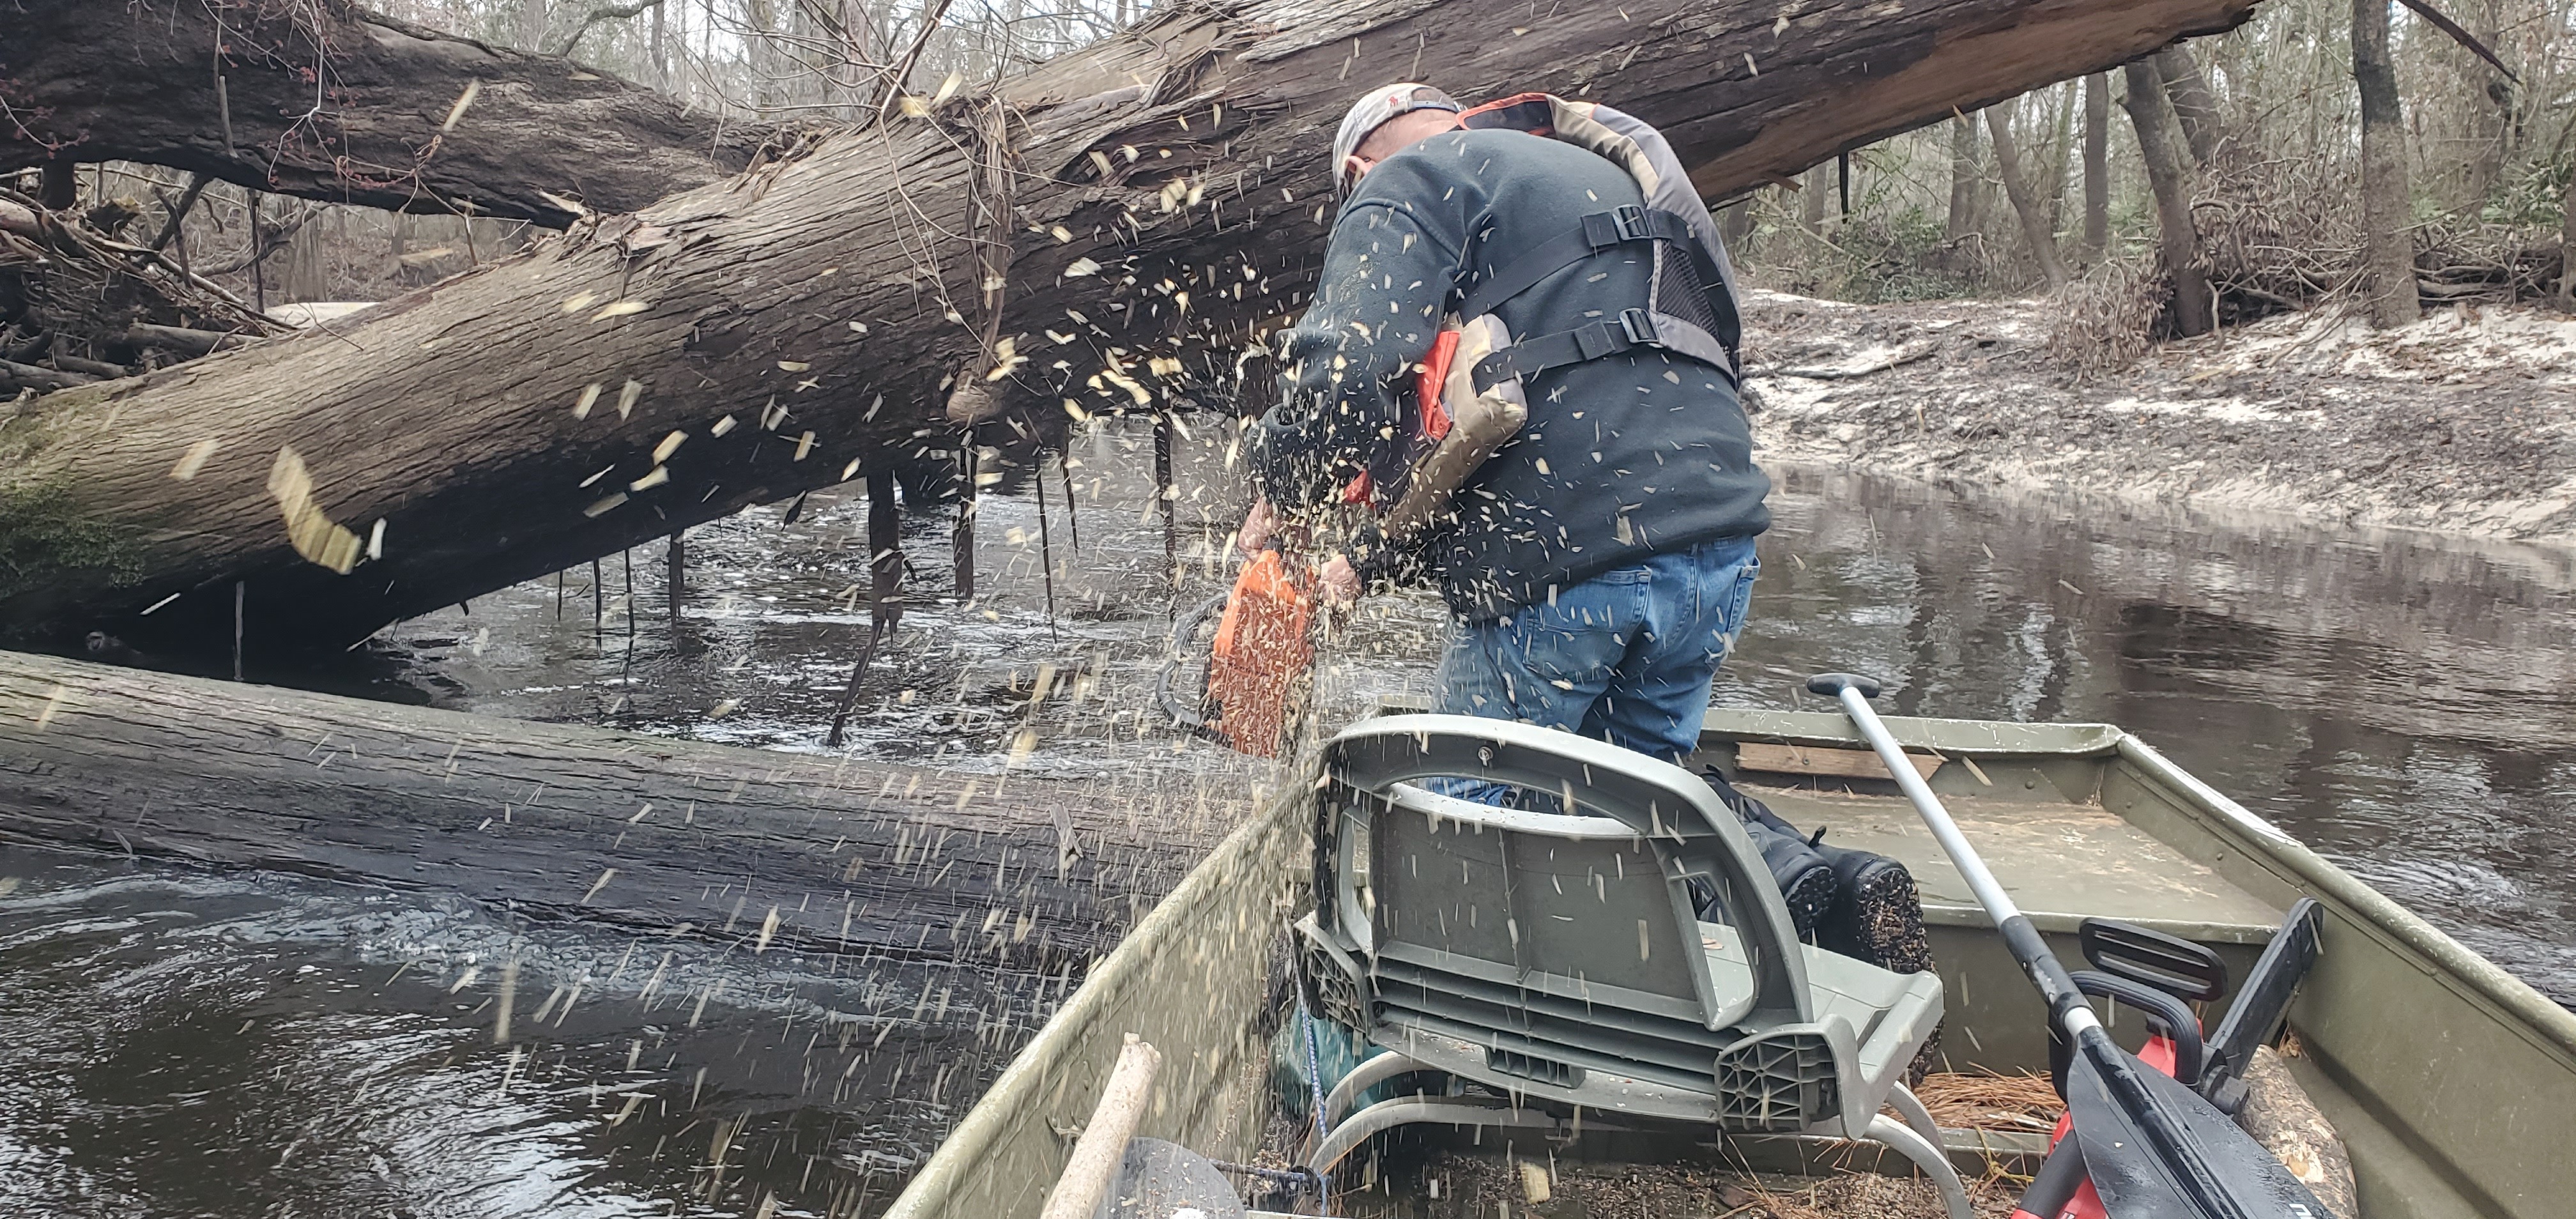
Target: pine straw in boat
1474	1186
1983	1100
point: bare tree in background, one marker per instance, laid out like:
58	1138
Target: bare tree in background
2195	107
529	25
2097	163
2035	229
2388	246
2177	243
1961	220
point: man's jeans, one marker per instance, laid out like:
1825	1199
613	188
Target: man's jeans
1625	657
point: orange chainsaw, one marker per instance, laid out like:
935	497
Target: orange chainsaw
1259	663
1260	659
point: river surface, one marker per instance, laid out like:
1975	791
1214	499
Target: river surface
185	1043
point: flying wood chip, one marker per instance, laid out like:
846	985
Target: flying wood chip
194	459
315	536
455	113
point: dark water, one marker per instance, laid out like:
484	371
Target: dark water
184	1044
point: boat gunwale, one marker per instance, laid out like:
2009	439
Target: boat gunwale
2457	967
966	1144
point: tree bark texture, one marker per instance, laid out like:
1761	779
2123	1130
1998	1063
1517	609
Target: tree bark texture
1162	194
2027	205
328	101
2177	241
2097	163
561	821
2195	105
2387	222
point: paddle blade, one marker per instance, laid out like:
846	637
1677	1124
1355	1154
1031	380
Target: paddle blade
2136	1183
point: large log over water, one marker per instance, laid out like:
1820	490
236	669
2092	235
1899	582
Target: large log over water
649	372
557	821
95	80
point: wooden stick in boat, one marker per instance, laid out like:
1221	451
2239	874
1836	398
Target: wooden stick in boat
1103	1145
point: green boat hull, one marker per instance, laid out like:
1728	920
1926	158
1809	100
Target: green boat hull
2452	1082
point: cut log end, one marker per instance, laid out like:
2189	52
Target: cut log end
2280	1116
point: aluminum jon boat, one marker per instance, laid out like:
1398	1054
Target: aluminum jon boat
2451	1083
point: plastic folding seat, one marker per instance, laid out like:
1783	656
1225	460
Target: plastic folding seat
1551	952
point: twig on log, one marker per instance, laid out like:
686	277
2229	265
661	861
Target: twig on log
180	338
179	211
911	55
29	376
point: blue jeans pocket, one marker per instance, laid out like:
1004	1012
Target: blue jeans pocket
1574	642
1734	605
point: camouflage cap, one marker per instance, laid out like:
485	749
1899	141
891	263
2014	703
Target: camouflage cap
1373	110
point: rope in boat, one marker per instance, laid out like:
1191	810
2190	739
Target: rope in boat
1315	1083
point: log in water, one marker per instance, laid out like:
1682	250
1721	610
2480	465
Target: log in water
561	821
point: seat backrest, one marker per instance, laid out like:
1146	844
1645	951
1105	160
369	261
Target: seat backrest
1589	906
1572	905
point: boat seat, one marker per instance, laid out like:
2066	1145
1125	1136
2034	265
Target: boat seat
1555	956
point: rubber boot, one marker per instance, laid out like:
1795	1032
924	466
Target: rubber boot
1878	915
1805	879
1878	918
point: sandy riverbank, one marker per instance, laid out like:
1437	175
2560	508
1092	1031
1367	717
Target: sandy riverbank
2463	423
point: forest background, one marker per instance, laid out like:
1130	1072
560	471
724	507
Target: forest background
2257	135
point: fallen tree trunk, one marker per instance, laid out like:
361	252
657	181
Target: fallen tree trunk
558	821
1160	196
229	88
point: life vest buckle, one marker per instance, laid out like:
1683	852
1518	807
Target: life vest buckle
1630	221
1639	328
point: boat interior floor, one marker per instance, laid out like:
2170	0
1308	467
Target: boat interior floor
2061	860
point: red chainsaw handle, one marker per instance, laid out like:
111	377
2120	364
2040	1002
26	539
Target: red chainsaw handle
2062	1189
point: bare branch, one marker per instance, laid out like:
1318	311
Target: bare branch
2425	10
605	12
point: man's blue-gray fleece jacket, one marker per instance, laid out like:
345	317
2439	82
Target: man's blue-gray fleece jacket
1623	457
